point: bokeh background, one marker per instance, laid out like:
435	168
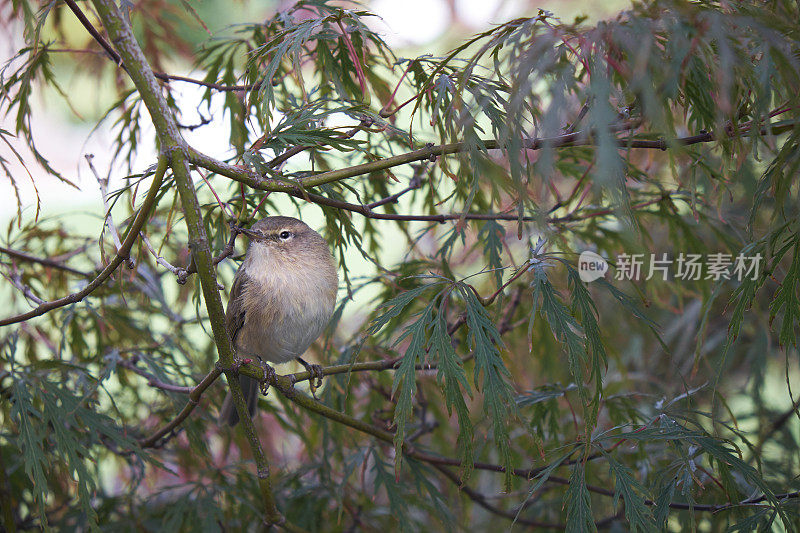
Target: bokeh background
69	133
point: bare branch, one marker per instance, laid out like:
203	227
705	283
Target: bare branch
16	254
153	381
109	220
15	279
160	260
194	399
481	500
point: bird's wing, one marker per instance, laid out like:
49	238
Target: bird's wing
234	315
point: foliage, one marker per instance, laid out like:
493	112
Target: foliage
468	183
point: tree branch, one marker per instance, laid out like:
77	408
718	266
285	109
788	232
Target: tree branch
194	399
173	145
154	382
285	386
16	280
115	57
480	499
297	188
416	183
22	256
183	274
108	220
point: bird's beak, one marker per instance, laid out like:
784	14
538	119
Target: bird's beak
250	233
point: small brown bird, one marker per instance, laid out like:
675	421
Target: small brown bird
282	298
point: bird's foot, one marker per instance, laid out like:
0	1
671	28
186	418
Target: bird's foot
269	377
315	375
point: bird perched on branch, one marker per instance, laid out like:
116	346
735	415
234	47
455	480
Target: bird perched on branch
282	298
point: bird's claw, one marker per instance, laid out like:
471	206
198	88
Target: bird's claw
269	377
315	375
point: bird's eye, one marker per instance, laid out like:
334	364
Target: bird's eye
284	235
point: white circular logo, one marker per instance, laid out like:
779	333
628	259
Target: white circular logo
591	266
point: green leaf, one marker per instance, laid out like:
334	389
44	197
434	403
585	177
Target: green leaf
564	326
638	515
394	489
787	300
665	497
492	234
31	438
405	378
584	308
631	305
577	503
392	308
541	478
491	375
453	381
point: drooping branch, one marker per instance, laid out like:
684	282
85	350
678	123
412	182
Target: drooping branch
285	386
153	381
45	261
121	256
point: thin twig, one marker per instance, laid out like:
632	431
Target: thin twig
777	424
154	382
481	500
16	254
15	279
227	251
222	206
109	220
114	56
415	183
362	81
487	301
178	271
194	399
385	108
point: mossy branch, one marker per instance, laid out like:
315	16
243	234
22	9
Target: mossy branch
173	146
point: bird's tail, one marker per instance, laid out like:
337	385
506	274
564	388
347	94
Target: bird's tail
228	414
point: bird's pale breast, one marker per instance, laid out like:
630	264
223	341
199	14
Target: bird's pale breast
289	304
